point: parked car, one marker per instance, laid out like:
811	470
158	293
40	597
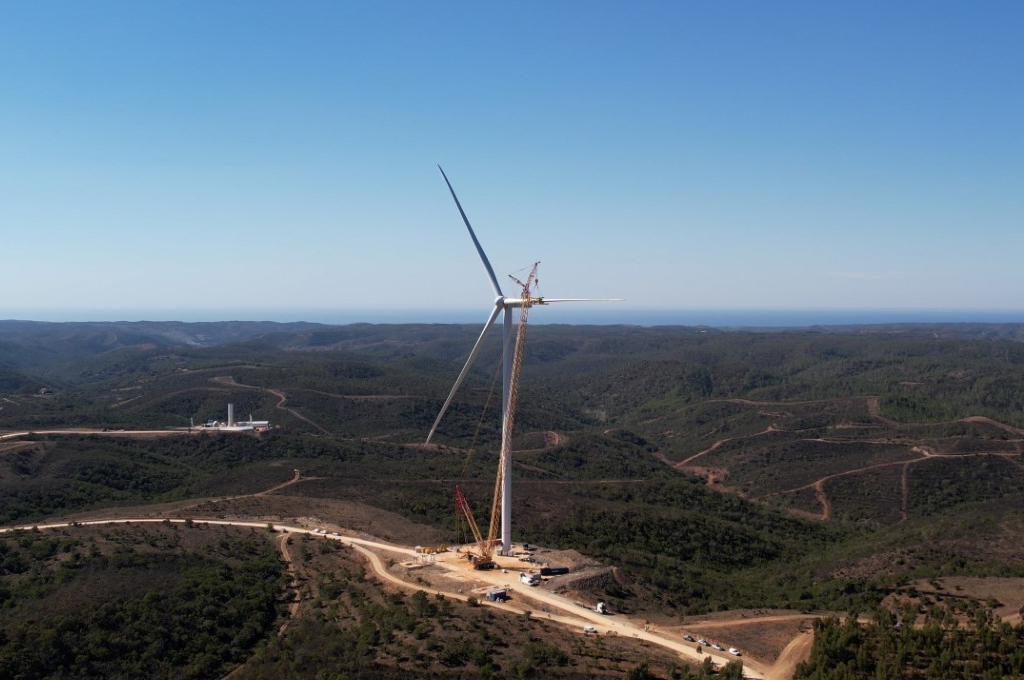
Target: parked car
718	647
735	652
689	638
702	642
589	629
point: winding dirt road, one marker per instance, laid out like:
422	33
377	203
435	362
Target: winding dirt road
873	405
567	612
286	555
282	399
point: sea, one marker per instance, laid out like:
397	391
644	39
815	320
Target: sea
605	314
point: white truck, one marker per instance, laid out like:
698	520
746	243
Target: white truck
530	579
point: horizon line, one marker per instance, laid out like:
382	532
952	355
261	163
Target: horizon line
713	317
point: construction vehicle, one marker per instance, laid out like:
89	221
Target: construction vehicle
483	558
530	579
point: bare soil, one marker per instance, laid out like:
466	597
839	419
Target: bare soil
760	637
1009	592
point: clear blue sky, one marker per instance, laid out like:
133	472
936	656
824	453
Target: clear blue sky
278	159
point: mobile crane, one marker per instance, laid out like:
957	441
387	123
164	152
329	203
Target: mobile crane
483	558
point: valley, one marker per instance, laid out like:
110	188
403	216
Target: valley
736	486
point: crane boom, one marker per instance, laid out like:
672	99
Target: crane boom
513	399
484	548
484	559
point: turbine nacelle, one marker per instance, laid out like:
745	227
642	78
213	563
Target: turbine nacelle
523	302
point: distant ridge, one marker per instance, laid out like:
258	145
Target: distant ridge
621	314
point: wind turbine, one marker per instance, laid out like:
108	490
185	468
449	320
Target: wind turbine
502	305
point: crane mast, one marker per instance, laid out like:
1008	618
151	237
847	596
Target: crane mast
485	547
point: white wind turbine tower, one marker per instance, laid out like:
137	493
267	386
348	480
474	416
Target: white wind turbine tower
504	305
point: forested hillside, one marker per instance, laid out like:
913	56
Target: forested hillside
813	469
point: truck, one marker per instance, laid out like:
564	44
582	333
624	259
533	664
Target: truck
553	571
601	608
530	579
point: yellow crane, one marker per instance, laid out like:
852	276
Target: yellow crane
483	558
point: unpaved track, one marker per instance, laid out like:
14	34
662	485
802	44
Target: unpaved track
799	649
904	492
683	463
994	423
286	555
92	431
282	398
751	621
819	494
569	615
873	404
818	485
294	480
574	616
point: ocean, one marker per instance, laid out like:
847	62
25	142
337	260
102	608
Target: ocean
604	314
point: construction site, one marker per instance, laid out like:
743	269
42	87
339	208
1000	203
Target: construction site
490	568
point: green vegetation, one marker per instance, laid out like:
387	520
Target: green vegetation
65	474
165	601
943	647
355	629
811	469
702	551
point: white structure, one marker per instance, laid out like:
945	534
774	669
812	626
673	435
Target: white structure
501	305
240	426
254	424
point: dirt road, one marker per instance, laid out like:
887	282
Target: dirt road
555	608
104	433
567	613
282	398
796	651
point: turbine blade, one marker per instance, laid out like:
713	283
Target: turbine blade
465	369
472	235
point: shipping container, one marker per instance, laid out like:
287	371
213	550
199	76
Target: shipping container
553	571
